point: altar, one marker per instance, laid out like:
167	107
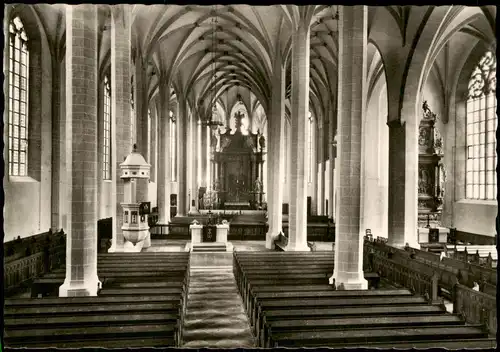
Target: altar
209	237
239	168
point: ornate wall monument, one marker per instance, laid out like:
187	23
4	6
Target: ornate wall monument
431	171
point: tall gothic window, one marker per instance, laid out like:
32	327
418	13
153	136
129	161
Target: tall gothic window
106	165
481	126
18	98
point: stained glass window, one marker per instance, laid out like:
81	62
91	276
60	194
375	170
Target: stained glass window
481	126
18	98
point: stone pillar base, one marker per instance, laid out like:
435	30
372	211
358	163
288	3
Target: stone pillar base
115	248
80	288
193	211
359	283
270	238
397	243
297	247
147	241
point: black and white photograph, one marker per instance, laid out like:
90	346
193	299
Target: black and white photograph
238	176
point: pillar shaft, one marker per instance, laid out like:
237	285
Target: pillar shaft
332	156
120	113
276	152
203	156
193	163
297	232
182	132
164	171
141	119
403	166
321	170
348	267
153	143
81	123
56	219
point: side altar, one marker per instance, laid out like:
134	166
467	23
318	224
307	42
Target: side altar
209	237
239	162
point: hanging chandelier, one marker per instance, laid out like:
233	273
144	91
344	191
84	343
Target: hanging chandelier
211	121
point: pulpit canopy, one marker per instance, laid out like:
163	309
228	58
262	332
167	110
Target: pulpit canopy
135	166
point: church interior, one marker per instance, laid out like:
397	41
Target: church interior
239	176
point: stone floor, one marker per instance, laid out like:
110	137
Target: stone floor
215	316
259	246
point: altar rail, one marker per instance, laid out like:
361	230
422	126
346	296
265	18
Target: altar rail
240	232
476	307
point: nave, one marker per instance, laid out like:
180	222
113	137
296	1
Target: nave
351	149
259	298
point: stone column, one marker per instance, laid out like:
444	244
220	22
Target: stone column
182	133
314	172
297	221
141	120
276	151
203	157
193	162
403	163
320	162
332	204
56	216
353	35
120	113
81	128
164	166
208	181
152	143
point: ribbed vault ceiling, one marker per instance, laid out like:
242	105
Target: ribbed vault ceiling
184	44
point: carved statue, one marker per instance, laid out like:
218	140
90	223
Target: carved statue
438	142
423	136
262	141
213	141
239	117
257	186
423	181
428	114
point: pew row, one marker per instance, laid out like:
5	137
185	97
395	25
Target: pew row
130	310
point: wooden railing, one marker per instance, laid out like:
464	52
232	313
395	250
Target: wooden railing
476	307
19	273
414	280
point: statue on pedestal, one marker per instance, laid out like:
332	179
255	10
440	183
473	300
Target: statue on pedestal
257	186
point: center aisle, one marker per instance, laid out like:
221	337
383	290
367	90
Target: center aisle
215	316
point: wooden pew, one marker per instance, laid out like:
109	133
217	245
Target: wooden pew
61	321
329	299
349	323
355	301
137	306
365	337
270	315
476	307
